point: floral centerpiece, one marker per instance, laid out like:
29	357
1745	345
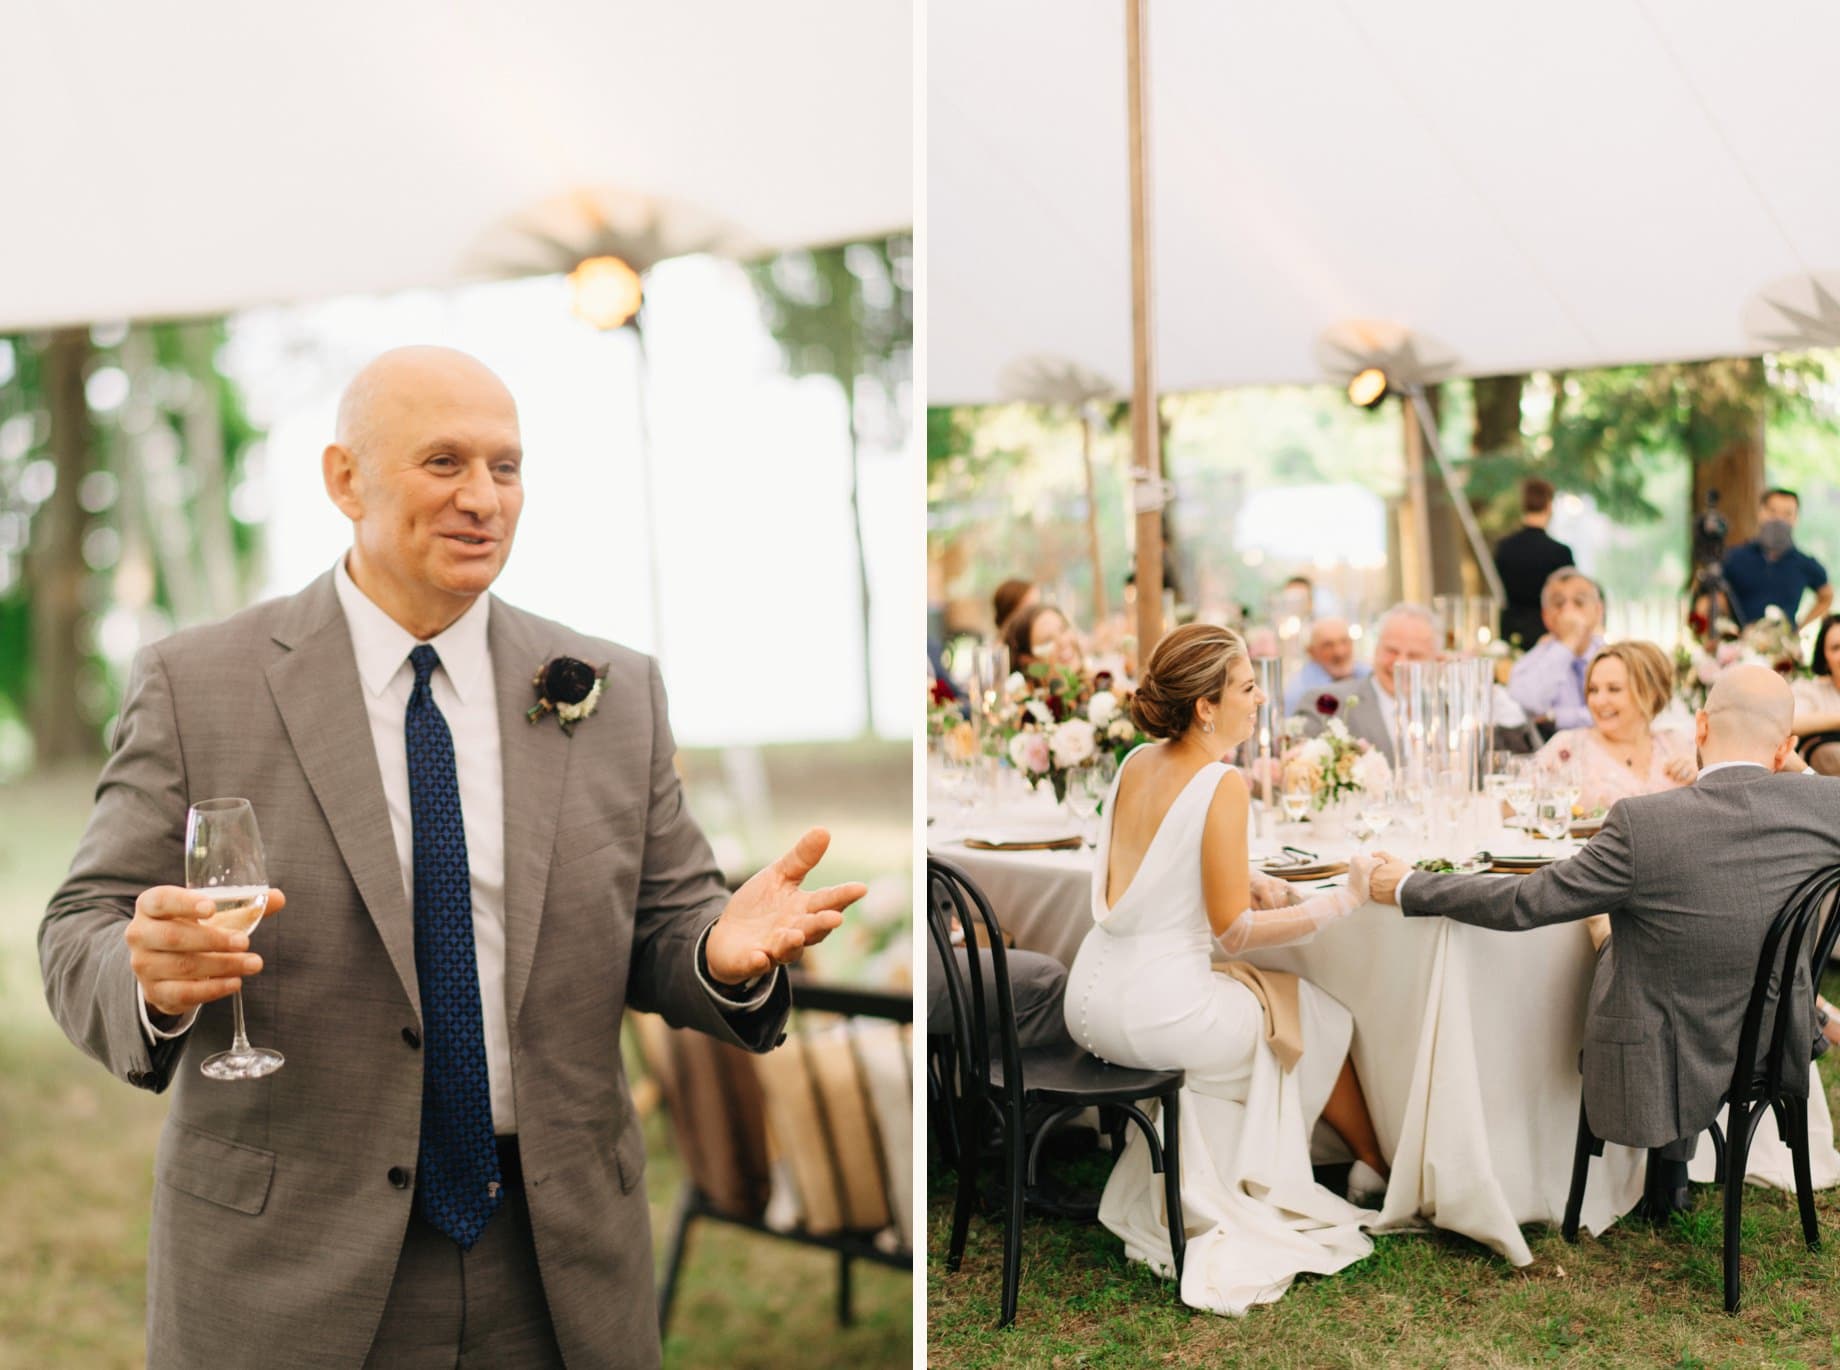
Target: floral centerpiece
1772	641
1052	721
1333	765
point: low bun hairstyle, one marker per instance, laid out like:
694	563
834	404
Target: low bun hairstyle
1190	664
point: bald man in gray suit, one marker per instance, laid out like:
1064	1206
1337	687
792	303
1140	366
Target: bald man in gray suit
1691	879
446	1170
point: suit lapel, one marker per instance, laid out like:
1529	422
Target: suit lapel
321	700
536	757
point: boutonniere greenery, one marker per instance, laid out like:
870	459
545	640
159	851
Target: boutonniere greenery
568	688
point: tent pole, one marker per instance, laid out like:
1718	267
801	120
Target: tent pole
1485	561
1146	433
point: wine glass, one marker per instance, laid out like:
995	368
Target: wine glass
1085	793
1552	810
223	860
1376	812
1297	799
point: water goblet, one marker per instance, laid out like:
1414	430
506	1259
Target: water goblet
224	862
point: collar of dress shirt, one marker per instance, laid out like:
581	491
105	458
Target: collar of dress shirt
382	645
1722	765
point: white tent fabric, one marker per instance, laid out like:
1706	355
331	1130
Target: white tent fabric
1578	183
205	155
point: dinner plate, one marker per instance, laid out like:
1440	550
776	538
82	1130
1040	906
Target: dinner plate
1316	870
1071	842
1520	864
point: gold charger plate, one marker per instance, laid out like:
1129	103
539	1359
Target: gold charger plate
1046	844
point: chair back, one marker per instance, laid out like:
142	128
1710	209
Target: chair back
1789	950
982	1022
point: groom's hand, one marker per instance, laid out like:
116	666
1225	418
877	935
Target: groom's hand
770	920
178	960
1383	884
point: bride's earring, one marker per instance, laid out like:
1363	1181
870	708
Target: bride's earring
1206	726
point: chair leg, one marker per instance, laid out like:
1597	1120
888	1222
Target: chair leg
1797	1110
1587	1146
1741	1123
1718	1146
1012	1219
968	1157
674	1262
846	1313
1172	1179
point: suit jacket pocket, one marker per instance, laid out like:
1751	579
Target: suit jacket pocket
214	1168
1603	1027
629	1153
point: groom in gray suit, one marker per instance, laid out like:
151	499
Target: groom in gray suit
446	1169
1691	879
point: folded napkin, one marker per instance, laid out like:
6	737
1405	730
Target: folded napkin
1276	991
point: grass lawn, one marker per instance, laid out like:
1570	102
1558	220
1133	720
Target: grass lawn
1634	1297
76	1147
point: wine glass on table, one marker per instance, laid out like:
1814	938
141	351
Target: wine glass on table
224	862
1085	793
1552	809
1376	811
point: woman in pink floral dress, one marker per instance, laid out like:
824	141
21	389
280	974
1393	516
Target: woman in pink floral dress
1626	685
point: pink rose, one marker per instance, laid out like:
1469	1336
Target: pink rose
1029	753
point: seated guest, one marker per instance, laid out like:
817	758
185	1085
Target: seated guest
1041	633
1693	878
1525	558
1817	702
1619	755
1770	571
1011	597
1548	682
1626	686
1407	633
1329	653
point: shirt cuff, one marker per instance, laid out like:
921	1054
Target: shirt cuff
1399	891
154	1034
742	998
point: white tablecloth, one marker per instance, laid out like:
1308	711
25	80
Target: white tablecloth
1466	1042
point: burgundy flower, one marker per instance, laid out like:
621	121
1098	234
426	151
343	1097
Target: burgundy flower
1057	705
943	693
1327	704
1102	680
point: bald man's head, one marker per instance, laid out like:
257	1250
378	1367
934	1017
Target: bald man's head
1331	647
427	464
1749	716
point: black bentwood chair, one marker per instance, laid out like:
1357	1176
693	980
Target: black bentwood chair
1778	1081
990	1074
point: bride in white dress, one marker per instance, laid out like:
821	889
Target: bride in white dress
1170	883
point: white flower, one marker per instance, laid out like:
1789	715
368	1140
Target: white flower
1029	753
1040	712
1073	743
1317	753
1102	708
574	713
1371	771
1121	729
1016	686
1338	730
1295	725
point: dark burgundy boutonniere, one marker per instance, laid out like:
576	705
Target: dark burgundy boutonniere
1327	704
568	688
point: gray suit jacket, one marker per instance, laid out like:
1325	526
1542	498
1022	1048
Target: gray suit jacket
275	1227
1362	716
1691	879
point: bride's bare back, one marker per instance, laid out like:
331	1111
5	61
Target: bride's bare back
1148	788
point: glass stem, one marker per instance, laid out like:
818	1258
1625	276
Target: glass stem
241	1044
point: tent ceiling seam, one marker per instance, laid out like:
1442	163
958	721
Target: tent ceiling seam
1718	132
1502	223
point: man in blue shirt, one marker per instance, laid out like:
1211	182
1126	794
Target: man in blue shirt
1771	569
1329	658
1548	682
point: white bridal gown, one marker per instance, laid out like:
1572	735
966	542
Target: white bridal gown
1141	993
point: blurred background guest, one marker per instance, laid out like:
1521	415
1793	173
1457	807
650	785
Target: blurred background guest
1041	633
1407	633
1525	558
1817	702
1548	682
1329	658
1771	570
1011	597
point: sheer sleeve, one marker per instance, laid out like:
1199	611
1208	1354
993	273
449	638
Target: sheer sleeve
1257	928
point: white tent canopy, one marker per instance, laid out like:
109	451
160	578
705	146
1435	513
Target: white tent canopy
1580	183
207	155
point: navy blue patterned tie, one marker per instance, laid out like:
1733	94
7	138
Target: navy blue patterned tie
458	1177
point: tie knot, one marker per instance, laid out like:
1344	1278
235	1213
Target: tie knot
424	659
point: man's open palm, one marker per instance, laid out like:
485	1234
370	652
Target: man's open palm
770	920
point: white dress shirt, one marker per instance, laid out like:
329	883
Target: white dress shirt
466	693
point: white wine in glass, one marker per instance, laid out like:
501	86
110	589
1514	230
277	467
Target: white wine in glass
224	862
1296	804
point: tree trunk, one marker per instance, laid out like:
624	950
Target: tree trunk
55	568
846	376
204	452
1092	518
1735	468
1498	414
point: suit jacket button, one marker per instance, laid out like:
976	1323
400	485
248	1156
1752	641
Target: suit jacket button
399	1177
412	1037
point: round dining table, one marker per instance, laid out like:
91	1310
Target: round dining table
1466	1040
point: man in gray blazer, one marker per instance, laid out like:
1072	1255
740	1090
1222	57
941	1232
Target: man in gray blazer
1691	879
446	1169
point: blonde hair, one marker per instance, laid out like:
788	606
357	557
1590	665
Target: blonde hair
1190	664
1651	681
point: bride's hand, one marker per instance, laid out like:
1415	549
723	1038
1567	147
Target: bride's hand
1681	770
1360	870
